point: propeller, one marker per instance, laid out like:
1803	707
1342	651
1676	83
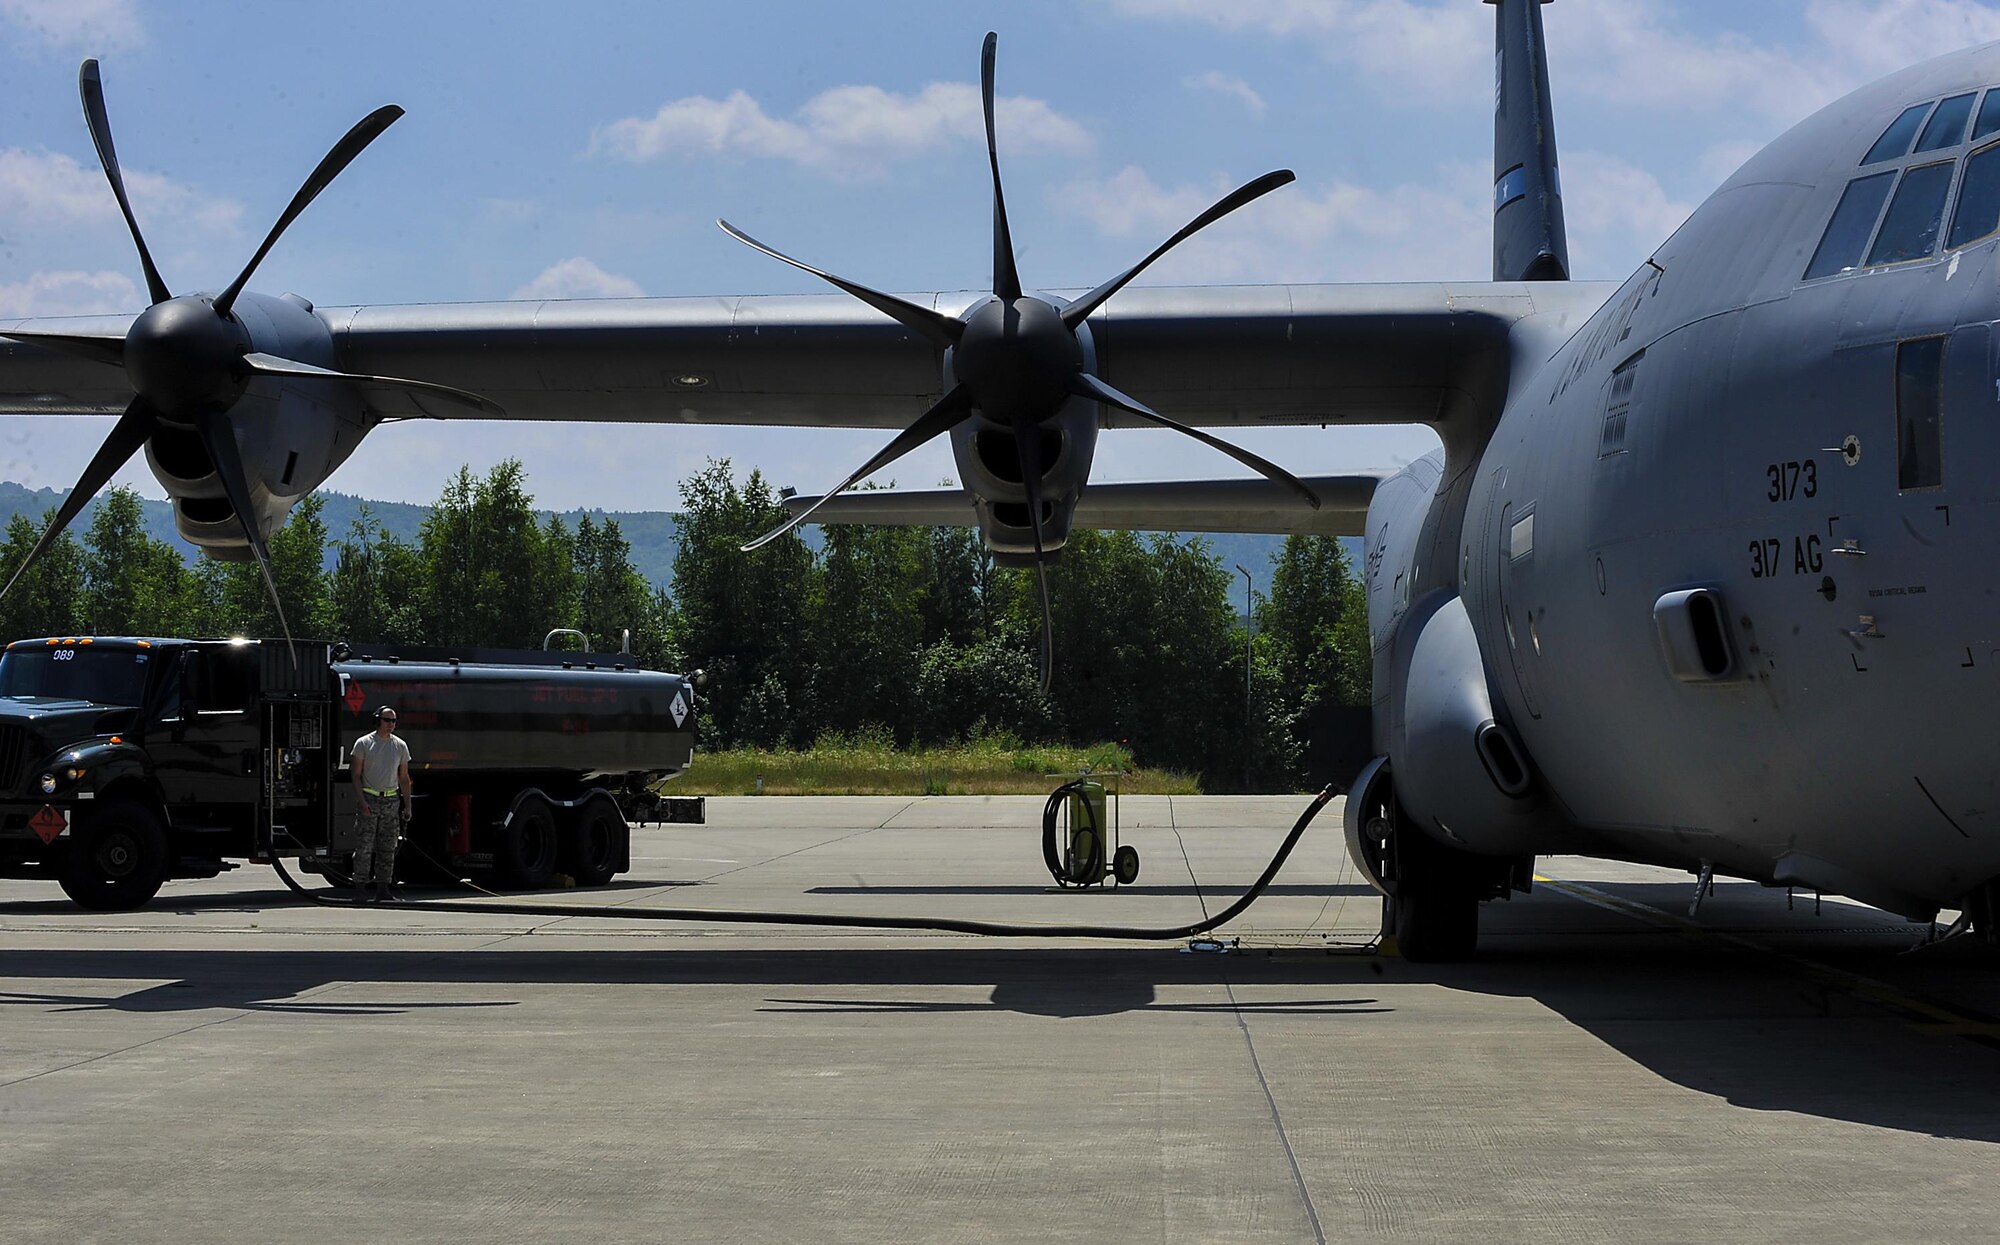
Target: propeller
189	356
1016	358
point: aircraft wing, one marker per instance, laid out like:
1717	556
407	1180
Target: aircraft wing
1252	505
1209	355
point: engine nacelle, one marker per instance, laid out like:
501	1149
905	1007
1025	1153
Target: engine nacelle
291	434
989	466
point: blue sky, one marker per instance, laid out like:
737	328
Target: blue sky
586	149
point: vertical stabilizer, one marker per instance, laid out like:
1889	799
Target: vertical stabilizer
1528	239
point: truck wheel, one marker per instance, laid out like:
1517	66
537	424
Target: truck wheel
524	850
117	858
590	849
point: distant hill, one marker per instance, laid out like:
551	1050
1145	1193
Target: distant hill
653	534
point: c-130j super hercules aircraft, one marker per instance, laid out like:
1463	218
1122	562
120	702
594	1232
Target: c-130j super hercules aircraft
1702	575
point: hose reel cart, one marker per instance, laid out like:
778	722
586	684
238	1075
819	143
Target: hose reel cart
1080	834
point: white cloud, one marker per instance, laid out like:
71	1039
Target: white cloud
577	277
88	25
70	294
1621	52
1398	44
1884	35
847	130
1336	231
1616	214
47	189
1224	84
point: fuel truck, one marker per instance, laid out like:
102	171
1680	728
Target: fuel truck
126	762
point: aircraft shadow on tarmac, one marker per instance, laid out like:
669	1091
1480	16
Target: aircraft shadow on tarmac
1307	890
266	899
1759	1029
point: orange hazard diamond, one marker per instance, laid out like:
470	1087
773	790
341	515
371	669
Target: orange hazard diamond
48	823
355	696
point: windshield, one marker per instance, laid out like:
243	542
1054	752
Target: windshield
107	676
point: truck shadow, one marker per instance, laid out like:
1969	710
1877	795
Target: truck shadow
276	896
1857	1032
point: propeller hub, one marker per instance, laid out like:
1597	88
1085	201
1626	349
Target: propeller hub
184	357
1016	358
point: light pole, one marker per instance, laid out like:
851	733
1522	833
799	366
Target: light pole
1249	607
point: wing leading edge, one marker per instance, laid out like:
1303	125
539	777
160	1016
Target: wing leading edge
1212	355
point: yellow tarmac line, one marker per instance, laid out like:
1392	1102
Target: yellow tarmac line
1920	1014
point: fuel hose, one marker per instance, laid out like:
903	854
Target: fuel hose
995	929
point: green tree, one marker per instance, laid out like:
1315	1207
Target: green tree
867	628
742	616
49	599
1314	626
483	558
375	592
613	596
298	567
134	584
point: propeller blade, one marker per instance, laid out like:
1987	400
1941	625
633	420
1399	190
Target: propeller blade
219	436
261	364
99	122
1084	385
97	349
365	131
127	437
942	329
1028	444
1006	278
1079	311
950	409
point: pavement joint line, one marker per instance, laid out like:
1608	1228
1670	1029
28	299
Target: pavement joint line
1277	1116
111	1054
1922	1015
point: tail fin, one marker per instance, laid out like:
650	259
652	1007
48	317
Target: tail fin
1529	243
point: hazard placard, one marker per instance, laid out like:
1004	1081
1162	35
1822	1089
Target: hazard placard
49	823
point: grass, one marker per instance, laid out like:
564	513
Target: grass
870	764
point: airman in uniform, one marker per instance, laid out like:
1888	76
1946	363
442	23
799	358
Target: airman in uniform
381	769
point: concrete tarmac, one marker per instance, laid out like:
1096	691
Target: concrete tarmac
234	1064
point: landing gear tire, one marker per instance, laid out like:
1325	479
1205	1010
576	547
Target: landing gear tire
1125	865
1435	924
117	859
524	850
590	849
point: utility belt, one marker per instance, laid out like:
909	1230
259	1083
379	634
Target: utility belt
381	795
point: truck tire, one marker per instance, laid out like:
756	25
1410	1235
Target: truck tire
590	848
117	858
524	850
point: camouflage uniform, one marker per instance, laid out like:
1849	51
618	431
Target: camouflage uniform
376	824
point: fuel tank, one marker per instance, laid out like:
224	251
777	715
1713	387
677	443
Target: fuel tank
589	714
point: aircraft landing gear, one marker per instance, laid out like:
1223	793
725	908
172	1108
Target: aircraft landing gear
1436	923
1432	892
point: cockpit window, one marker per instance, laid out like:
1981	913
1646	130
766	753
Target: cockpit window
1910	230
1978	211
1989	116
1895	140
1847	234
1947	127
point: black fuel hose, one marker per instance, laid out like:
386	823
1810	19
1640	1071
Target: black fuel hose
1080	872
944	924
